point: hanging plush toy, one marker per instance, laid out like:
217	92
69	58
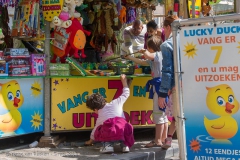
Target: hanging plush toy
56	22
122	17
64	15
77	39
71	9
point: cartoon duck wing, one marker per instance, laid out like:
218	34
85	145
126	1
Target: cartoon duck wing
214	124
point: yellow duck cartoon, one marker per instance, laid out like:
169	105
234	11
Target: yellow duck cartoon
11	99
222	102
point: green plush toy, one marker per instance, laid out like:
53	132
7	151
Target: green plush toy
84	15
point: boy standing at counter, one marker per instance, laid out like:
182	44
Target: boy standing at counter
154	60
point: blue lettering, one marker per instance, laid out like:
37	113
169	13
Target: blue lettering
227	30
95	90
77	100
135	91
102	91
62	107
84	96
185	34
192	32
210	30
204	32
219	30
142	92
70	104
198	32
233	29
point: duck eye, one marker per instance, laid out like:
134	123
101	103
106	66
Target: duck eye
10	96
18	94
230	99
220	101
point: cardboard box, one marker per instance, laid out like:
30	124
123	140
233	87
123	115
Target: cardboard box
38	64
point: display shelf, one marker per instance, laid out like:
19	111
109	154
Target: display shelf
131	76
20	77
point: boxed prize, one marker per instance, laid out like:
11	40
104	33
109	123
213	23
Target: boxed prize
38	64
59	69
16	52
3	68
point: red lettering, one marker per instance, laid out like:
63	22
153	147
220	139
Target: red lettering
115	84
78	120
134	117
51	8
126	116
146	117
88	119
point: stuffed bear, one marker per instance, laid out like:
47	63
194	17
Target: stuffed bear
77	39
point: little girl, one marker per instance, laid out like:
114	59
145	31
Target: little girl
154	60
111	125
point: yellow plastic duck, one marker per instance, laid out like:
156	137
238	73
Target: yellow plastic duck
222	102
11	99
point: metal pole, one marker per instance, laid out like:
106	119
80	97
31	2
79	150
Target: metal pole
47	90
177	72
180	115
193	8
237	6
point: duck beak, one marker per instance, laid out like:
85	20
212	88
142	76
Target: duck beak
229	107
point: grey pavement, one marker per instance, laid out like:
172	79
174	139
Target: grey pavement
76	151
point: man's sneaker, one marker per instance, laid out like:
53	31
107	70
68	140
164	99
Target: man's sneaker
168	143
125	149
107	149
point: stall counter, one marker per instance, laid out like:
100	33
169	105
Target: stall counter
68	98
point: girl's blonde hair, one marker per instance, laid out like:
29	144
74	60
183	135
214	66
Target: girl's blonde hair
154	43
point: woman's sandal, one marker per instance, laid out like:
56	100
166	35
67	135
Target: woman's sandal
152	144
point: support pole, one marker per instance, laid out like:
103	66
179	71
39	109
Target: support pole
47	100
193	9
180	115
47	140
237	6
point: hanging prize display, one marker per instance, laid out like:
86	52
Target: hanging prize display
51	8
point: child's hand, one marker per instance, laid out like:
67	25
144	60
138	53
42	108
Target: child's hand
89	142
123	78
142	50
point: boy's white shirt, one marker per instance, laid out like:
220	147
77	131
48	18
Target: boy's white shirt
112	109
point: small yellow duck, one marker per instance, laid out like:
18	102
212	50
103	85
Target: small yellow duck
222	102
11	99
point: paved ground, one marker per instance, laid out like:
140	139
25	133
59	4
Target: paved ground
73	149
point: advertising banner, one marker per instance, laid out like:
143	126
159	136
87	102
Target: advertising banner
69	111
21	106
211	93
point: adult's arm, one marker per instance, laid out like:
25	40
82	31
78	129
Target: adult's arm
167	69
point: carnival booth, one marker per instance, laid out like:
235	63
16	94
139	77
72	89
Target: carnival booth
81	57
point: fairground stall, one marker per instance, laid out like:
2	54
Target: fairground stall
59	52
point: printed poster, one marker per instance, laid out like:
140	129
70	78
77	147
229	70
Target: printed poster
69	95
21	106
210	59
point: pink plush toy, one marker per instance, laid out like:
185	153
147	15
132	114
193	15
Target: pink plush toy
64	15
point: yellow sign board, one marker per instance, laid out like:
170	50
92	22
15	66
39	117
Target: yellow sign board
51	8
198	8
69	111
